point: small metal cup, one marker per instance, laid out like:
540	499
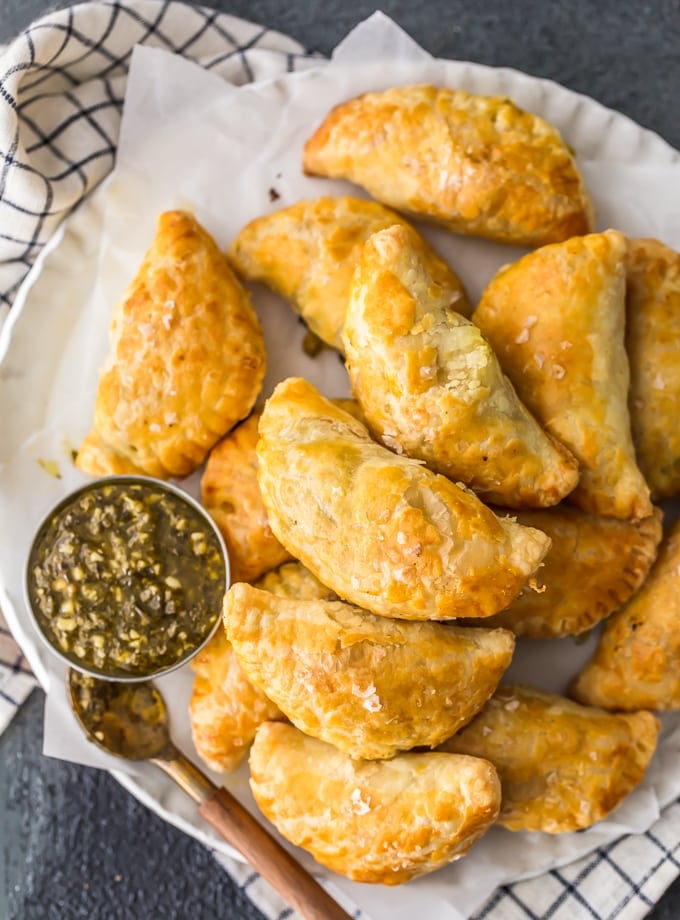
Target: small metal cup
73	661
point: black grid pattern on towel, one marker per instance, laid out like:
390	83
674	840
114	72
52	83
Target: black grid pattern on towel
62	84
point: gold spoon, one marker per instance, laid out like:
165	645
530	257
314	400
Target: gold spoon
130	721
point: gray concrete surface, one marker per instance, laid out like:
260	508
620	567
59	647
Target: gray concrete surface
72	843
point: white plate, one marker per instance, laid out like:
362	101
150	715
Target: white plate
56	336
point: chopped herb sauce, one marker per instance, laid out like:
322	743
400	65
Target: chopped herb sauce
127	578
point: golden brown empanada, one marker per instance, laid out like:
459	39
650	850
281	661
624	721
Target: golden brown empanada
384	822
225	707
637	662
652	336
562	766
382	531
371	686
595	564
307	253
556	321
97	459
186	362
477	164
230	493
431	386
293	580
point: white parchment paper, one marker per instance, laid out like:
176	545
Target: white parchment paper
190	140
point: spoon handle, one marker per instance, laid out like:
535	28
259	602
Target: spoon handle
266	856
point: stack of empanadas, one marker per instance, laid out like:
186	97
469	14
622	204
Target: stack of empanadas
377	593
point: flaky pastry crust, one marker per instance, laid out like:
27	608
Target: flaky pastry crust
652	336
595	564
379	529
556	321
431	386
225	707
231	495
186	358
383	822
637	662
307	253
562	766
477	164
369	685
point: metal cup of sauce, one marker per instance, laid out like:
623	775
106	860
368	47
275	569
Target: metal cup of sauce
125	578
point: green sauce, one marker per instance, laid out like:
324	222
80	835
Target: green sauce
127	577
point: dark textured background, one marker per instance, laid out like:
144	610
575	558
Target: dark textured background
73	843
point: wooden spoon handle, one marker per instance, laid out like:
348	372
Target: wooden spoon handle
266	856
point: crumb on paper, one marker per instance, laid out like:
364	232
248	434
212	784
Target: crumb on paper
273	194
70	451
51	467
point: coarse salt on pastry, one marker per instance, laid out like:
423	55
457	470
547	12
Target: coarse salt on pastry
384	822
382	531
307	253
562	766
370	685
595	565
226	708
556	320
186	361
479	165
432	388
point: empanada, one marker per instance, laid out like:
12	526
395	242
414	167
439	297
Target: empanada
382	531
595	564
652	336
225	707
98	459
384	822
431	386
637	662
186	362
369	685
295	581
477	164
231	495
307	253
562	766
556	321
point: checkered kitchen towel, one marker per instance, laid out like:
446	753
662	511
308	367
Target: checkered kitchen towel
62	84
